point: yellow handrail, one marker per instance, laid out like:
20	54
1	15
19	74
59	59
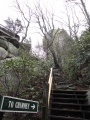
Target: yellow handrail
50	85
47	93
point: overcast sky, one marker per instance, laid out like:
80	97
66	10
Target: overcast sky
7	10
6	7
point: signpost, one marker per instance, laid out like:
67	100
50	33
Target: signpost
13	104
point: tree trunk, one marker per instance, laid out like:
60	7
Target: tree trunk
55	59
86	13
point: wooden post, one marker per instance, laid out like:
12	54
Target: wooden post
46	97
47	88
44	113
1	115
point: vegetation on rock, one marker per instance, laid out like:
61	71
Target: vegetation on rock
24	77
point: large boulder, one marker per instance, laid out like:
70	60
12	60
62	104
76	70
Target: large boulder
12	49
55	43
3	53
9	47
9	35
8	78
3	43
14	41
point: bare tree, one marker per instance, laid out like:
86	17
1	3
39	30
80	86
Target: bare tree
45	21
73	22
26	20
15	26
86	12
83	8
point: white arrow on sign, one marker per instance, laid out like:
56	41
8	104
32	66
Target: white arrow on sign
33	107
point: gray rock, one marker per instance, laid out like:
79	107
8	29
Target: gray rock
8	59
10	36
12	49
3	44
9	78
10	55
3	53
14	41
25	46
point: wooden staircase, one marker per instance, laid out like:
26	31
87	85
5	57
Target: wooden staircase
66	102
69	105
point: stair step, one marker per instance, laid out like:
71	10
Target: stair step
58	78
70	113
87	115
56	70
69	91
57	74
67	103
57	105
65	83
64	95
67	100
53	117
76	99
66	113
65	87
85	107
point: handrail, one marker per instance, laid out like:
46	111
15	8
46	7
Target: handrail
48	92
49	86
46	96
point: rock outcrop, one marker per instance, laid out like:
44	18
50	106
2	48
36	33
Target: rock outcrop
9	43
54	44
9	50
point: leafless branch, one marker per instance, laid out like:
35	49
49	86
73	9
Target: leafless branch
25	19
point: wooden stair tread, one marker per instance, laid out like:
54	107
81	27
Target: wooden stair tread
70	110
67	104
65	118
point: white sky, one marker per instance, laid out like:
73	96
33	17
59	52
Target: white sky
7	10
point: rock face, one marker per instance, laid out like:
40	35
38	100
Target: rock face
9	43
3	53
57	41
10	51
